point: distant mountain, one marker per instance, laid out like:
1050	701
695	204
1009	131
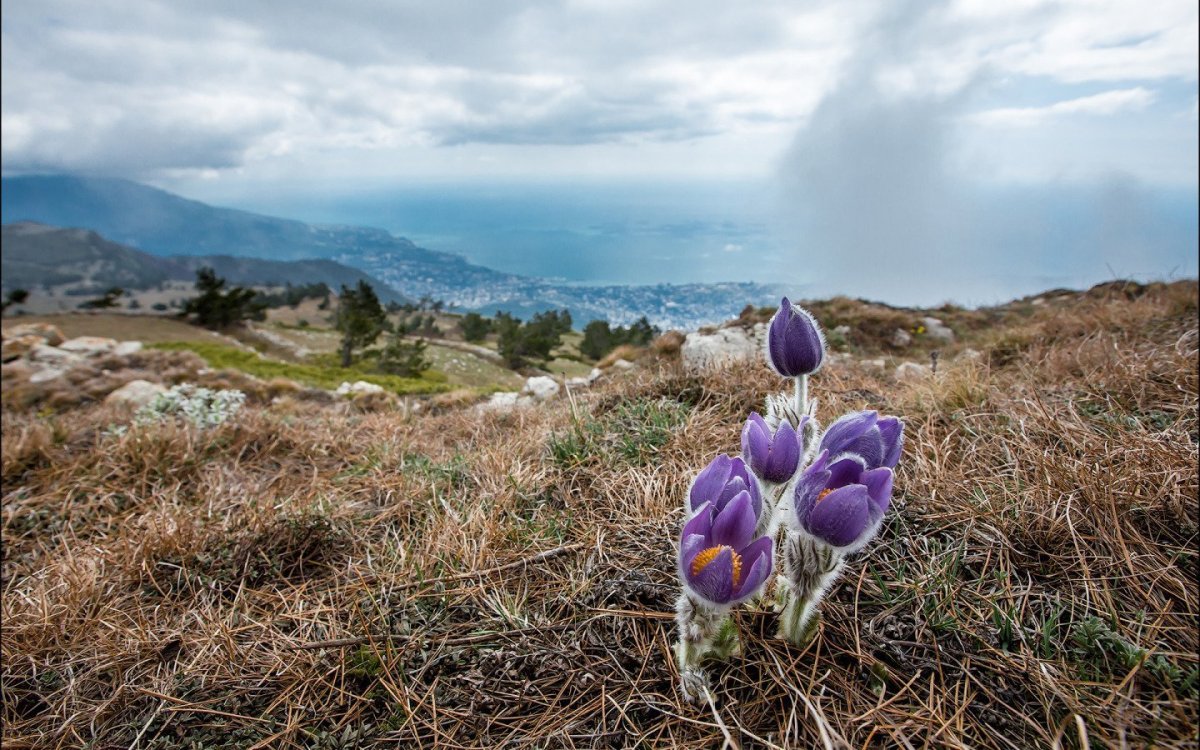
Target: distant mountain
36	255
161	223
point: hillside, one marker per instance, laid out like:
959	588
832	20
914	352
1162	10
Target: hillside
334	573
161	223
38	256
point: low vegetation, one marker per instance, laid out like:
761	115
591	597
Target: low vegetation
324	372
308	575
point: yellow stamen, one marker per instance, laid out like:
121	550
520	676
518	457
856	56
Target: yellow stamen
821	496
702	561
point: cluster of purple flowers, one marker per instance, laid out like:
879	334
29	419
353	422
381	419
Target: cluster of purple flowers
823	495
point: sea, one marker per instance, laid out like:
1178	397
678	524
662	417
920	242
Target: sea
992	245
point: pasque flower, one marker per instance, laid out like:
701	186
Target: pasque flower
720	482
774	457
842	496
838	505
720	561
795	343
842	504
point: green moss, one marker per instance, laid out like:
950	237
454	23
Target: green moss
320	375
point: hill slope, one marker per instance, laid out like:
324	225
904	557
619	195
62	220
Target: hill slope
311	575
36	255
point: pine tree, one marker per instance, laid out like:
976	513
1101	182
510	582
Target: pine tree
360	318
217	308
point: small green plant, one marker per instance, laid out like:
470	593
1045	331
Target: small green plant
1101	651
633	433
199	407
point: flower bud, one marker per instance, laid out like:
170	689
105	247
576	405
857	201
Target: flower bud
795	343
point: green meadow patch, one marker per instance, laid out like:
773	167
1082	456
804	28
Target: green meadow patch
330	377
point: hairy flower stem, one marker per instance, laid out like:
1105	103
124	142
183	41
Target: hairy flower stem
704	631
809	568
801	399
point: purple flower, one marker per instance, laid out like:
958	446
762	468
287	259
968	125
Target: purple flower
842	503
795	344
876	440
773	458
720	482
719	559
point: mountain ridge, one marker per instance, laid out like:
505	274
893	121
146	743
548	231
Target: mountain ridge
40	255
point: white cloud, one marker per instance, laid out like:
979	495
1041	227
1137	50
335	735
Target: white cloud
1102	104
145	88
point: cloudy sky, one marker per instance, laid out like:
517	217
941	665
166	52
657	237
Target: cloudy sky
372	91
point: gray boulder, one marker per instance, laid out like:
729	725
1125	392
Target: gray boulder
702	352
541	388
937	330
135	393
89	346
913	371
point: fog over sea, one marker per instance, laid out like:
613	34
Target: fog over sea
991	246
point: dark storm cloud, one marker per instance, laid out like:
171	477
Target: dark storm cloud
875	184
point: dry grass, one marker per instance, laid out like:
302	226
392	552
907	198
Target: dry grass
146	327
313	576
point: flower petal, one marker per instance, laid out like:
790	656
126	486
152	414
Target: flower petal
891	430
734	525
809	485
870	447
848	428
690	546
700	523
842	517
734	487
710	481
784	456
757	561
756	443
879	488
845	469
714	581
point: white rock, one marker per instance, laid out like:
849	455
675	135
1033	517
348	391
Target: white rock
578	382
89	345
135	393
541	387
46	374
912	371
874	364
15	347
595	375
708	351
968	355
937	330
842	330
901	338
53	355
359	386
50	334
623	364
504	401
125	348
759	334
